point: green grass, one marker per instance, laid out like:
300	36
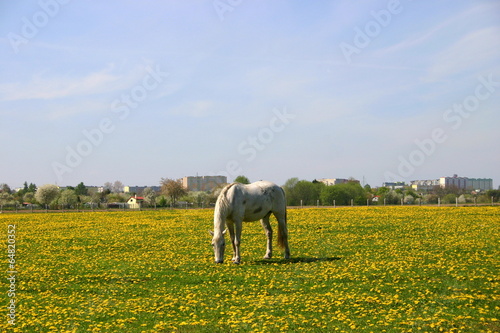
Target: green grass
392	269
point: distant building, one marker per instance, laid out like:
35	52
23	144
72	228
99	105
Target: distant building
203	183
394	185
461	183
424	185
94	189
139	189
135	202
464	183
336	181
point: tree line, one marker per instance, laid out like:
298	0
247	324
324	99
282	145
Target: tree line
172	194
312	193
50	196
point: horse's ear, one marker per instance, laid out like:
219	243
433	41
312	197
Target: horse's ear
211	232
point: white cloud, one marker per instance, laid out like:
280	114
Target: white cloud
473	52
42	86
195	109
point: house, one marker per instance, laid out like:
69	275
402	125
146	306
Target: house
135	202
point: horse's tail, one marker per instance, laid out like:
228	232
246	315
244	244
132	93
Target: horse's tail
282	227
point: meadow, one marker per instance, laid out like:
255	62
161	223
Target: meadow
363	269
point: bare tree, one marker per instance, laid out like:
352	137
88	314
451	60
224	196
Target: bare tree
172	189
149	196
118	186
108	186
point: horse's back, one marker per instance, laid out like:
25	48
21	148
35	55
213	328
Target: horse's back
262	198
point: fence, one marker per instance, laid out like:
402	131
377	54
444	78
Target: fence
115	208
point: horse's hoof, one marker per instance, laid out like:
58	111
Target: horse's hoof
267	257
236	262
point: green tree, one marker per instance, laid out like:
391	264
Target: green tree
68	198
338	193
29	197
27	188
343	194
4	188
162	201
32	188
393	197
493	193
81	189
308	192
292	198
242	180
450	198
6	199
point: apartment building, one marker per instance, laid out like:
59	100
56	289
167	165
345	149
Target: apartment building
203	183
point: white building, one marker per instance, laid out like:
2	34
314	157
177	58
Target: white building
336	181
135	202
394	185
424	185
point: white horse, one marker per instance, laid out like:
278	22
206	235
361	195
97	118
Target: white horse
239	203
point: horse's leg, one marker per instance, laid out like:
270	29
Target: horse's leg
237	240
283	233
269	234
230	227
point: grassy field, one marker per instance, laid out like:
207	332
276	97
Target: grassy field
376	269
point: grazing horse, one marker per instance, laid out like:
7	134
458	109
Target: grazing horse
239	203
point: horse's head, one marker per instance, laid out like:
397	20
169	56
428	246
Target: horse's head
219	244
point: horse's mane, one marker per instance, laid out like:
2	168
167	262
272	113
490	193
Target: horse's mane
222	204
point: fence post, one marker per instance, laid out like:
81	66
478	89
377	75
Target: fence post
456	202
301	205
352	202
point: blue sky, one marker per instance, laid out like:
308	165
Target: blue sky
136	91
